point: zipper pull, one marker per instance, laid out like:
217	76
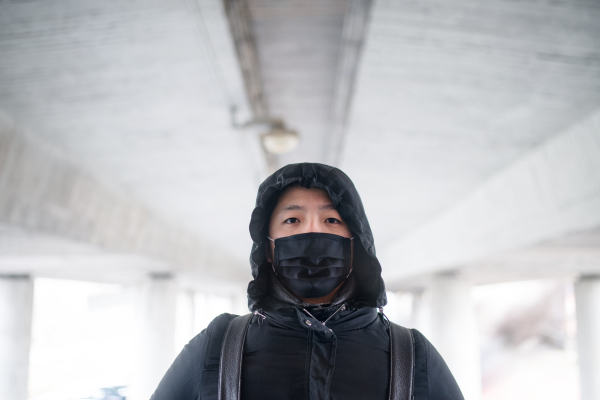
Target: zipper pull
262	316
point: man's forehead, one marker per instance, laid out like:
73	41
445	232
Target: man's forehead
298	197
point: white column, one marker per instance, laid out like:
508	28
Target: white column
454	331
240	303
156	308
16	306
421	311
185	325
587	297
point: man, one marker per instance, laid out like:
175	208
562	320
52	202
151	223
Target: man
316	332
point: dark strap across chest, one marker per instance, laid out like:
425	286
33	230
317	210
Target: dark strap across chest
402	363
232	351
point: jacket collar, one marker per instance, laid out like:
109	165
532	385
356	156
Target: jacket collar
278	296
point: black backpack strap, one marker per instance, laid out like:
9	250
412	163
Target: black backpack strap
402	362
232	352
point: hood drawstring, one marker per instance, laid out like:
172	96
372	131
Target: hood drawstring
341	308
262	316
380	309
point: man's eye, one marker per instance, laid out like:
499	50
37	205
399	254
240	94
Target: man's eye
332	221
291	220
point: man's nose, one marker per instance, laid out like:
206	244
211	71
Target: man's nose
313	225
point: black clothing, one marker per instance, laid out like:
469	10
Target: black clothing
289	353
276	362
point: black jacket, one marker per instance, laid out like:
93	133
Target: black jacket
289	353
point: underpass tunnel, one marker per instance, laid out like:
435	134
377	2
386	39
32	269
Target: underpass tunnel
134	136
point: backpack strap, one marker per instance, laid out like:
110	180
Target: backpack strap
232	352
402	362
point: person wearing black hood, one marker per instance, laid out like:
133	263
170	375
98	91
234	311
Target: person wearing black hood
317	330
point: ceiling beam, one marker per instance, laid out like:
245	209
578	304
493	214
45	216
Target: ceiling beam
238	15
42	191
356	24
245	46
549	193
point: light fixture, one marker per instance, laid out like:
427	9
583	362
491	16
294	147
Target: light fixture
277	139
280	140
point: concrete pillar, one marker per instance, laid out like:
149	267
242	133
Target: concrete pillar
156	309
454	331
421	312
16	306
399	308
185	325
240	303
587	297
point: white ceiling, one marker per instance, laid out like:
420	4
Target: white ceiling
569	256
298	43
128	90
448	93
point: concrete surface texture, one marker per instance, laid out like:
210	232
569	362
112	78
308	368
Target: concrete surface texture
444	99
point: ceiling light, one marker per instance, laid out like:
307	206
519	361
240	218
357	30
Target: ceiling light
280	140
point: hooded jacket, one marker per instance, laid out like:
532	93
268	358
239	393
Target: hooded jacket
289	353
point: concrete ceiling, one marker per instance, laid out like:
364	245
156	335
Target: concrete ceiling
446	94
450	93
568	256
128	91
23	251
298	45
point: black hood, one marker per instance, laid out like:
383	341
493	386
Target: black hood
369	288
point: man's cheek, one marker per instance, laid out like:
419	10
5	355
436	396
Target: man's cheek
272	245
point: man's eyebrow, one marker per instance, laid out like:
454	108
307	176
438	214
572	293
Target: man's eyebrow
291	207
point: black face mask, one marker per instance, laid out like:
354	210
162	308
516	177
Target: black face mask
312	264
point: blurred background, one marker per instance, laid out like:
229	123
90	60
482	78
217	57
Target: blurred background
134	135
